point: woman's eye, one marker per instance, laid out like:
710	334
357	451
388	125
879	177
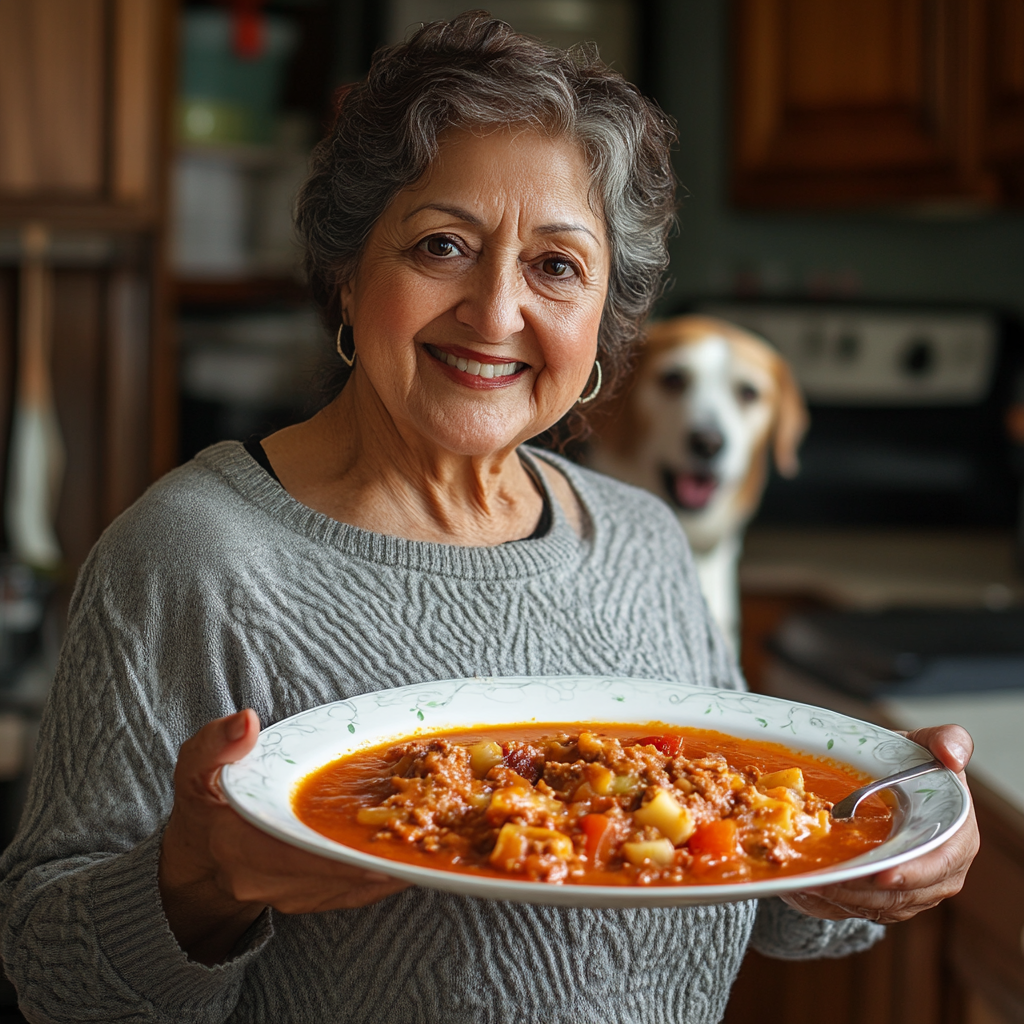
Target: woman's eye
554	267
438	245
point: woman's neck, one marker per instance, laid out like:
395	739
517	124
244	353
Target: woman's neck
357	465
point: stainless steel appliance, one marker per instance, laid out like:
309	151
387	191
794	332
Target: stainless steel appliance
908	410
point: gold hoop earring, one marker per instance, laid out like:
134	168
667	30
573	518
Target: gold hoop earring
349	361
597	387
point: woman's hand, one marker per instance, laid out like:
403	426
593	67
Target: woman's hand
903	891
218	872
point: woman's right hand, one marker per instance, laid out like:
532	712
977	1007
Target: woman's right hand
218	872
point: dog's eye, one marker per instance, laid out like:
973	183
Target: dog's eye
747	394
674	382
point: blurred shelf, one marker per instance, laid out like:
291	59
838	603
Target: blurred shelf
240	291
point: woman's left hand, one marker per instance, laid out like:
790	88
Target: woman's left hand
906	890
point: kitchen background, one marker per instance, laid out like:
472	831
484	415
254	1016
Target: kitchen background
853	187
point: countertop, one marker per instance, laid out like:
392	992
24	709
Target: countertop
995	720
880	568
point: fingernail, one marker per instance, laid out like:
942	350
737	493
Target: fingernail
236	726
895	882
959	751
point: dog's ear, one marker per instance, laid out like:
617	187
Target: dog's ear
791	421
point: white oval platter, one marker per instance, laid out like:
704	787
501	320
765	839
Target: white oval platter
260	786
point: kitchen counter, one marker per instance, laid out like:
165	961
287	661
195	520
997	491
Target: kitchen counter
882	568
995	720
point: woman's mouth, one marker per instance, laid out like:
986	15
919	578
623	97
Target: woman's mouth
475	368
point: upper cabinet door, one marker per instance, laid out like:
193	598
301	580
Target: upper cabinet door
81	84
841	103
1003	120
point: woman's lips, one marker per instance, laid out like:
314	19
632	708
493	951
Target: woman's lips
476	368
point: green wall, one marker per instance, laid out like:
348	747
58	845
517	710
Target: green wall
976	258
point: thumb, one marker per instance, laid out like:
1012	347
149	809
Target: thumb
951	744
218	743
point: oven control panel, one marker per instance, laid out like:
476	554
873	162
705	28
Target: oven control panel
858	356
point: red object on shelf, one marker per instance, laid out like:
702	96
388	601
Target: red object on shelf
248	29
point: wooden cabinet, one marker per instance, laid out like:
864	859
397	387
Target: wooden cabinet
985	944
898	981
901	980
840	104
85	90
1002	128
960	963
81	87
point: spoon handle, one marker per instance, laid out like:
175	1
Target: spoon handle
847	807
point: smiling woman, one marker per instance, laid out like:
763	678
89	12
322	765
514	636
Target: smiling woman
474	312
514	279
485	230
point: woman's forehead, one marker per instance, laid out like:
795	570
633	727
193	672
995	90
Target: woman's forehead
549	175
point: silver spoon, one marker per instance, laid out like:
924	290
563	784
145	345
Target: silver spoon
847	807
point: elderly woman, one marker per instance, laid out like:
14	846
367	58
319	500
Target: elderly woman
485	231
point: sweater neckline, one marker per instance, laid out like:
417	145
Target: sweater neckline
560	548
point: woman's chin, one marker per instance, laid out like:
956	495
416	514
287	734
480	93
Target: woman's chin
479	432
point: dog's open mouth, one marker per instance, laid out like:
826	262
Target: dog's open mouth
689	491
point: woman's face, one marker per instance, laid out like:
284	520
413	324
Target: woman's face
477	301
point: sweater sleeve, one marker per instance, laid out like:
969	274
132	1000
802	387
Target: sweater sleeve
783	933
84	935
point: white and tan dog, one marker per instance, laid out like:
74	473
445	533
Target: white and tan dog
694	426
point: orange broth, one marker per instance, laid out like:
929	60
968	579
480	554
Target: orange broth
328	799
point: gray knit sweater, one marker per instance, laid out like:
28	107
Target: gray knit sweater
218	591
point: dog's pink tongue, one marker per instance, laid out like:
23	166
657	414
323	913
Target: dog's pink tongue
694	490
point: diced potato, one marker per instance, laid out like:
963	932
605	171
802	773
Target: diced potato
821	823
787	796
522	801
514	842
778	813
664	813
657	851
589	744
624	784
509	799
377	815
483	756
600	779
789	778
478	801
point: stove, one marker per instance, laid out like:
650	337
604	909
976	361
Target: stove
908	413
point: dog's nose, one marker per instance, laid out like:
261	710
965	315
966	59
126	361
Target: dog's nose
706	444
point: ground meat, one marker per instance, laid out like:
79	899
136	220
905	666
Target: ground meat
555	807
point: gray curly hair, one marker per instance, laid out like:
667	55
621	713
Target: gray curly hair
477	73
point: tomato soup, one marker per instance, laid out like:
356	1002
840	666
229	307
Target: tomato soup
592	805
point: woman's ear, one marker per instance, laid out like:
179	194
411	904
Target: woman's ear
791	421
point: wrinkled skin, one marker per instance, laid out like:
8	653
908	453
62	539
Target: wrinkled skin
901	892
218	872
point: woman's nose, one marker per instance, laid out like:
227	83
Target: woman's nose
492	305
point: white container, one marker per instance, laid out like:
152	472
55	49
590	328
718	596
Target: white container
210	215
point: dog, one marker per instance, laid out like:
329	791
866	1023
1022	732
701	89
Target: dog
705	403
